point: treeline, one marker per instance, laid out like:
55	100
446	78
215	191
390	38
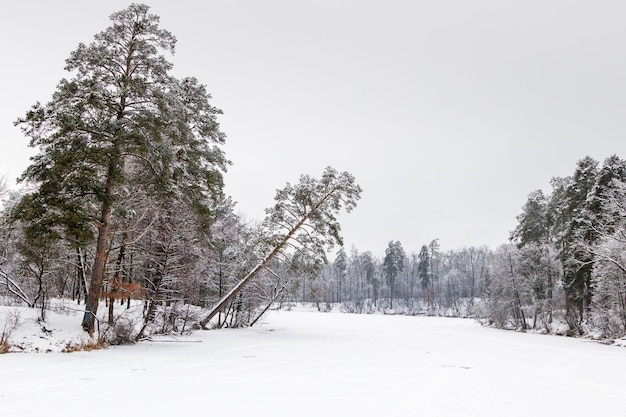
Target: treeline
563	272
430	282
508	287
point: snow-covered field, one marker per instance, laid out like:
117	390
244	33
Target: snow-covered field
304	363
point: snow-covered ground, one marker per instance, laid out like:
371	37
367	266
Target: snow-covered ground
303	363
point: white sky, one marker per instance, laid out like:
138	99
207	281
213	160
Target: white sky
447	112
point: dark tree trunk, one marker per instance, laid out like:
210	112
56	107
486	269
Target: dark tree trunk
97	273
117	278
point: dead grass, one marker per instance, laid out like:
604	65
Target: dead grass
10	325
85	346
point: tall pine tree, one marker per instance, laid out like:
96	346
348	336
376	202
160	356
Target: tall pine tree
121	118
579	235
393	264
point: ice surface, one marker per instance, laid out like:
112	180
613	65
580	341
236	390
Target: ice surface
303	363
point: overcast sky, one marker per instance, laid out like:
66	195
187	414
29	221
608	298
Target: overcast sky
449	113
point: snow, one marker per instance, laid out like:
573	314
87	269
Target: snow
305	363
28	334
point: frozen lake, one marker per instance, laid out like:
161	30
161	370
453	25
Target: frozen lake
326	364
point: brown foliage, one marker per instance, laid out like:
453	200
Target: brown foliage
129	290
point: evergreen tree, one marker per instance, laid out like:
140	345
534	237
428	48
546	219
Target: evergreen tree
433	265
534	222
423	273
341	265
579	235
121	116
369	266
533	236
302	221
609	251
611	175
393	264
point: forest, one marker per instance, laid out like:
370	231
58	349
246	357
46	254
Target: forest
124	205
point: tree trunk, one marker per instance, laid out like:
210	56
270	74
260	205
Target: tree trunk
242	284
117	278
237	288
97	273
95	287
550	296
82	278
152	305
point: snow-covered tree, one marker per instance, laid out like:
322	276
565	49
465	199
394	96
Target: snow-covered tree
577	261
371	278
303	221
506	292
423	273
539	269
393	264
610	178
534	222
341	266
609	280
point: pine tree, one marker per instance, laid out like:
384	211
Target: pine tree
423	273
433	265
609	272
534	221
611	175
393	264
341	266
302	221
579	235
369	266
121	117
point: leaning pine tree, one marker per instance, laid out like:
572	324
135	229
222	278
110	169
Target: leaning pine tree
301	224
121	118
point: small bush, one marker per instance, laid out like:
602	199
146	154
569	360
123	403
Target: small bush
4	339
5	347
121	333
11	323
